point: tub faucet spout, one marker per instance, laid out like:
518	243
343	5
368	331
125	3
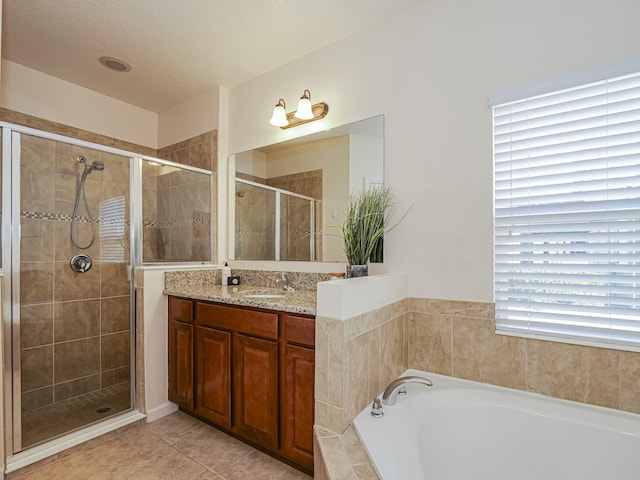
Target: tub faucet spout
390	394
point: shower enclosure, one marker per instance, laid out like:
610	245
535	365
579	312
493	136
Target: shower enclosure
72	237
273	224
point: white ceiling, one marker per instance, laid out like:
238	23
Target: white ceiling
177	49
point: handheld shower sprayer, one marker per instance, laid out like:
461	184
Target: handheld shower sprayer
89	167
80	191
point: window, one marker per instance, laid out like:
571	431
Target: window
567	214
112	230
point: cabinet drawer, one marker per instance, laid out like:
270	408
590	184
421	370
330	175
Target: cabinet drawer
251	322
180	309
300	330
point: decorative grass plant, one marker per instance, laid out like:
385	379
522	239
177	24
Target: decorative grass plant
364	227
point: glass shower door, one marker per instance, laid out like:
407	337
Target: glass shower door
297	231
72	314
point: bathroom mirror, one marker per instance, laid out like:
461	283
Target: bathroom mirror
286	198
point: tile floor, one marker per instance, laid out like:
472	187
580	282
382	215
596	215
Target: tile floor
176	447
50	421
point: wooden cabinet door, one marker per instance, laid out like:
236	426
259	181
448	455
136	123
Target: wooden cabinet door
181	363
255	370
213	375
297	404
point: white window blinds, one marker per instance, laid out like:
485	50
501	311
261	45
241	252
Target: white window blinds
567	214
112	230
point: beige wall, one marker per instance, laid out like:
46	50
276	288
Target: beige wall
188	119
430	72
332	157
366	161
28	91
252	163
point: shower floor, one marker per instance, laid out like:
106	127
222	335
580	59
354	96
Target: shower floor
44	423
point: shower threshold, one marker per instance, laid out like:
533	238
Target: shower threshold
62	443
51	421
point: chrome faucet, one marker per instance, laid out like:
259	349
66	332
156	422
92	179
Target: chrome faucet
390	394
283	282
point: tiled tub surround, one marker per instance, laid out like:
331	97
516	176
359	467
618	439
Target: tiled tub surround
356	356
459	339
360	348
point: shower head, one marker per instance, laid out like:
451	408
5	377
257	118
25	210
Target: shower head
89	167
97	166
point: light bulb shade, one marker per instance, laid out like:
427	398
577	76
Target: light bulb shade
305	112
279	117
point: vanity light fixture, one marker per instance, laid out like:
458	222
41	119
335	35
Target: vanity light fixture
279	117
304	107
305	113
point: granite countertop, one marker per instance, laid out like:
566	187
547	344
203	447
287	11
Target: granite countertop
299	301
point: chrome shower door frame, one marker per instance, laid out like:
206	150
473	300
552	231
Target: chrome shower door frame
11	254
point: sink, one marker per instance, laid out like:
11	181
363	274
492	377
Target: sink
264	295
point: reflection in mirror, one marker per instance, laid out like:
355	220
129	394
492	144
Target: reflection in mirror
286	197
274	224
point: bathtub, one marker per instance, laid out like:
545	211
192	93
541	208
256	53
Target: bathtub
463	430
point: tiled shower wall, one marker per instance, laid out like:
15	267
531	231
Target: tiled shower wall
296	214
38	321
254	223
176	215
74	326
255	217
184	210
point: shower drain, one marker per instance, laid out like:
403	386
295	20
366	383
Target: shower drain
103	410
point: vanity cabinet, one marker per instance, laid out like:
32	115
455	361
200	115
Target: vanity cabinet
255	400
247	371
181	352
297	374
213	375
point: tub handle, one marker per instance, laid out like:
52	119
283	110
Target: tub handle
376	409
